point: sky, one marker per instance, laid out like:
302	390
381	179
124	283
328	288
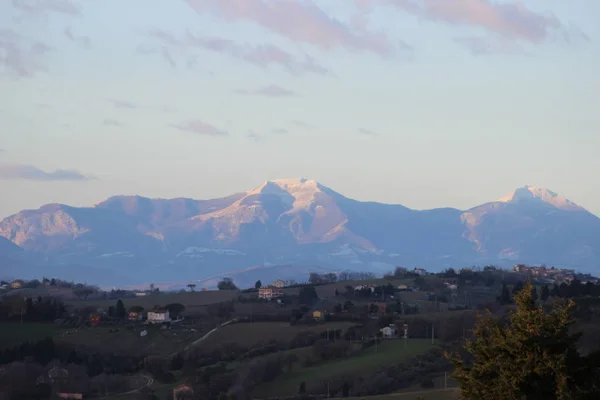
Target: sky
425	103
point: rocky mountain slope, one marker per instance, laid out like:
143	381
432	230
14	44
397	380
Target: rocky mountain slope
298	222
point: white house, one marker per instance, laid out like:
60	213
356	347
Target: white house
279	283
388	332
158	316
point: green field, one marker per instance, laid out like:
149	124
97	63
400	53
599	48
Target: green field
250	334
369	360
436	394
188	299
13	334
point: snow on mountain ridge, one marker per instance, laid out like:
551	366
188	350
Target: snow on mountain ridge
532	193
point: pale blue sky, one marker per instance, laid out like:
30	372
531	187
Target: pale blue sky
426	103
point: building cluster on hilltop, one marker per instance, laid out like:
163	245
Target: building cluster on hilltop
552	273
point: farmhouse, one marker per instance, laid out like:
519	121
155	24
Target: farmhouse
389	332
270	292
318	315
279	283
17	284
158	316
134	316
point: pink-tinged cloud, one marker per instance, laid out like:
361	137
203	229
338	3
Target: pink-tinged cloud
29	172
268	91
510	19
298	20
200	128
266	55
19	57
40	7
82	40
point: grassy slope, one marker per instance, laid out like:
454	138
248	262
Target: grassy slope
368	361
13	334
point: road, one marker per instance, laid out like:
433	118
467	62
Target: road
149	382
208	334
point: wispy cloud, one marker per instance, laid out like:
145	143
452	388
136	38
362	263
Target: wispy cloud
255	137
20	57
279	131
113	122
300	21
200	128
171	48
367	132
268	91
42	7
122	104
509	19
82	40
302	124
29	172
477	45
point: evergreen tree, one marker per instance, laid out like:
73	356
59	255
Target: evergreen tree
534	294
545	292
302	388
120	309
533	356
517	288
258	284
555	292
504	295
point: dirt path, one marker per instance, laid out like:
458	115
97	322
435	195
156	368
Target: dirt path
208	334
149	382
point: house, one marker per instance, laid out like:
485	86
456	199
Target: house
134	316
140	294
17	284
95	319
70	395
389	332
270	292
381	308
318	315
182	392
403	288
420	271
279	283
158	316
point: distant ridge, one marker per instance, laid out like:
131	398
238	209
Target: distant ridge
299	222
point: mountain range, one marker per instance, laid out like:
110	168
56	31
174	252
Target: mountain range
293	222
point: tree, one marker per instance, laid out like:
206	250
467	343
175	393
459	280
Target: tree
504	295
192	286
120	309
302	388
308	295
545	292
226	284
517	288
345	389
555	292
175	309
258	284
532	356
534	294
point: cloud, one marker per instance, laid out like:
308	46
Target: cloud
123	104
113	122
509	19
29	172
41	7
299	21
367	132
20	57
171	48
256	138
200	128
279	131
268	91
82	40
489	45
302	124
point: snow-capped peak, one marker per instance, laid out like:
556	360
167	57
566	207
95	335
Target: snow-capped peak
533	193
295	191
